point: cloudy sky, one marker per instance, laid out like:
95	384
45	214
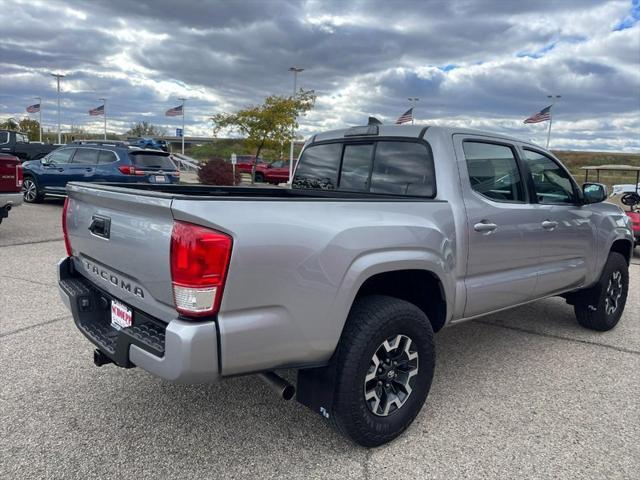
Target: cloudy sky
479	63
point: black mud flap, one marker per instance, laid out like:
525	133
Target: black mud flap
314	389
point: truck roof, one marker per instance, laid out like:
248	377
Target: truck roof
405	131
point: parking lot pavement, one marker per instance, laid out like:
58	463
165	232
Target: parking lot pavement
32	223
522	394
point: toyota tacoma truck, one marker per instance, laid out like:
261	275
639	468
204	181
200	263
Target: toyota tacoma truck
387	235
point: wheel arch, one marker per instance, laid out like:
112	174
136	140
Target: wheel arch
400	274
421	288
624	247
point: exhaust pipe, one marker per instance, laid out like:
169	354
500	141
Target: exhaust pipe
279	385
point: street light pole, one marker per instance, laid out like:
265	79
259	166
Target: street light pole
40	115
413	101
183	100
295	71
104	113
58	76
553	99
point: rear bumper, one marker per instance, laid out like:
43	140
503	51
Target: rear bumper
180	351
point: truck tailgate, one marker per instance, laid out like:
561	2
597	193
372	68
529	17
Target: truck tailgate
126	252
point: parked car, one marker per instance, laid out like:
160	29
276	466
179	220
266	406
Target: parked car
244	163
95	163
275	172
18	144
389	234
152	143
10	184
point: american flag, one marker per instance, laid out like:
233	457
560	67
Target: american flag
405	117
542	116
35	108
174	112
97	111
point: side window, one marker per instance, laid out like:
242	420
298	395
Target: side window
21	138
403	168
493	171
356	164
4	137
86	156
105	156
552	183
318	167
62	156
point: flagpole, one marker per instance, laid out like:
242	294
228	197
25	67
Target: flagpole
183	100
553	98
104	112
40	115
413	101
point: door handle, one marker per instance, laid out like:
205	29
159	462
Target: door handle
61	169
484	227
549	225
89	169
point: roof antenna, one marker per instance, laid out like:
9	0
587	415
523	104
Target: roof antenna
374	121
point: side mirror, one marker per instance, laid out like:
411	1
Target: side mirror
268	165
594	192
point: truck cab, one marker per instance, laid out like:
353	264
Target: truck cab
18	144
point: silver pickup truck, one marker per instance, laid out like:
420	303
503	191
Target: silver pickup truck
388	234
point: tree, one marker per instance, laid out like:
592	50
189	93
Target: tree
9	124
145	129
269	125
31	128
26	125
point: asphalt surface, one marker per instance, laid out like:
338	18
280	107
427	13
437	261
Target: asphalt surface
523	394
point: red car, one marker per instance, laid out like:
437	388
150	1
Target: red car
244	163
10	184
276	172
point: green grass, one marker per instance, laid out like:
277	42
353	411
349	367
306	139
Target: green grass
574	161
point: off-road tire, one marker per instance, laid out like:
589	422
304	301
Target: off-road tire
372	320
591	308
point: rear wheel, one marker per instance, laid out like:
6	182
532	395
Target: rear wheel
601	306
259	177
30	191
384	368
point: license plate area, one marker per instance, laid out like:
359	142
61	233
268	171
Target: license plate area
121	315
159	178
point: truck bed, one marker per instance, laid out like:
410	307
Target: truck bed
248	193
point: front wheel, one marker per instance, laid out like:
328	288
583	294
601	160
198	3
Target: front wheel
384	368
30	191
601	306
259	177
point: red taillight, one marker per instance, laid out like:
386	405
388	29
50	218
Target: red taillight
199	262
19	176
67	243
130	170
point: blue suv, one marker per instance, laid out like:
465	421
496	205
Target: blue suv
99	162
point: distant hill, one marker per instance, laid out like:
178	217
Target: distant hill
575	160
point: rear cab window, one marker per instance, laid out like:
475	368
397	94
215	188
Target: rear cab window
389	167
493	171
152	161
